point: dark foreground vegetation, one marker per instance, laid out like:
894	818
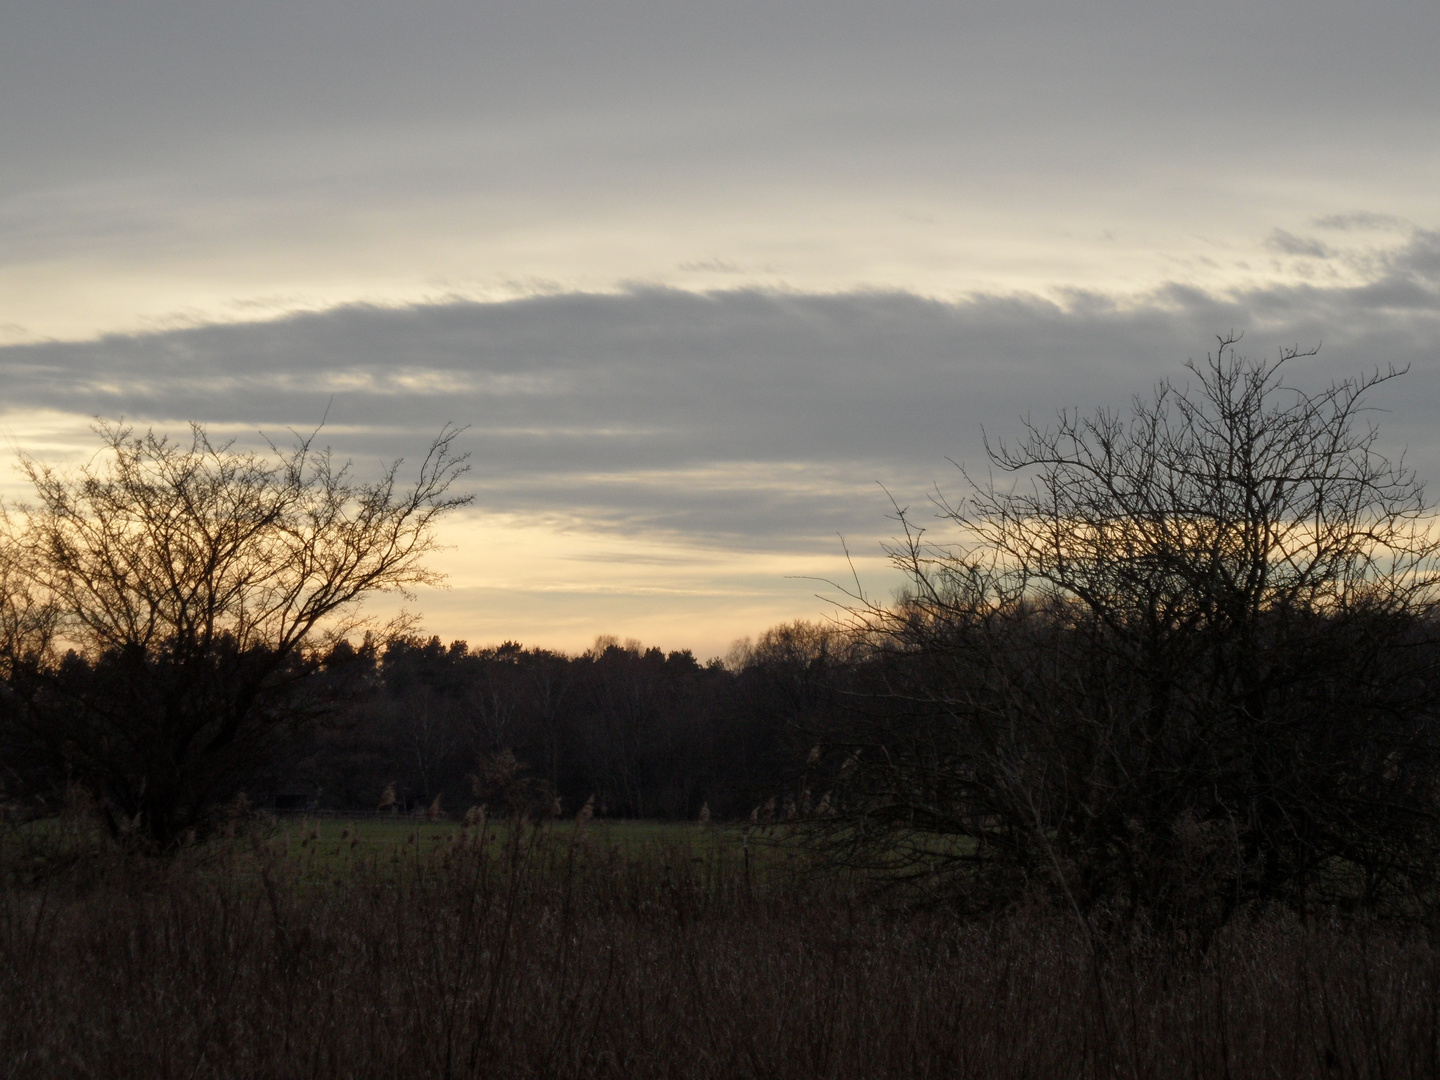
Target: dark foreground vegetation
562	953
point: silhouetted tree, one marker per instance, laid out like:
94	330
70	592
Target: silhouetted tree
196	587
1186	663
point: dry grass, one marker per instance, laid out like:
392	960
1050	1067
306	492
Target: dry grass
537	955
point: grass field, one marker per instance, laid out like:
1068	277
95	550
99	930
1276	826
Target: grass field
332	846
370	835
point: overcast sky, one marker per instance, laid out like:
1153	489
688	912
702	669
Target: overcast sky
699	278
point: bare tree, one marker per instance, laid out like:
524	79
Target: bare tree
1185	662
194	584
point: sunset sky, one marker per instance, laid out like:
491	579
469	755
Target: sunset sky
705	281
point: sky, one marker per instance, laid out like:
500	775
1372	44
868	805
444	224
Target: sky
713	288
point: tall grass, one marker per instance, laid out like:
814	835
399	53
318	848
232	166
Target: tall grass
524	953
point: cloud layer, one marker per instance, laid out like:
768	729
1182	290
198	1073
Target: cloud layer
739	419
166	160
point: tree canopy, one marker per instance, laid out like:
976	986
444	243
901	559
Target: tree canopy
168	601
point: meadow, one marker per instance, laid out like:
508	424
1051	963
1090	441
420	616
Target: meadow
340	841
402	948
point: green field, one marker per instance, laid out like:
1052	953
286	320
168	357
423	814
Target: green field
335	849
339	840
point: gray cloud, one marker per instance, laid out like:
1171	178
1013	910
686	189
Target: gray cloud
744	418
1360	219
1289	244
1420	258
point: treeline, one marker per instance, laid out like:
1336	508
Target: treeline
645	733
